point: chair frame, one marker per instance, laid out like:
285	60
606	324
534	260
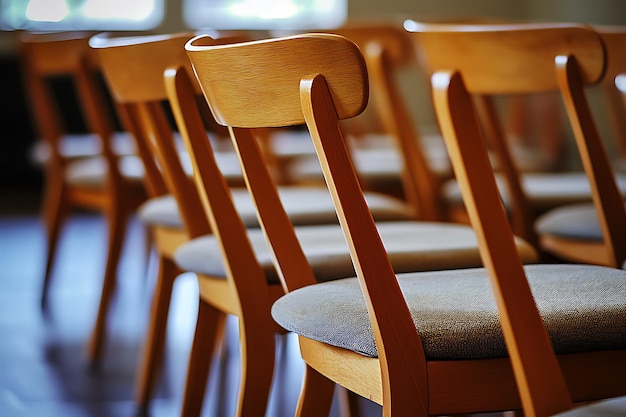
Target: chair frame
68	54
399	377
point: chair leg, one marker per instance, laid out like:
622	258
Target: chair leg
348	402
258	355
152	355
117	222
316	396
55	210
208	335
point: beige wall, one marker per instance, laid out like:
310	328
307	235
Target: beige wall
596	11
587	11
436	8
416	91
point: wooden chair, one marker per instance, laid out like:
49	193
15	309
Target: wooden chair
386	146
107	182
171	219
134	70
267	73
576	232
543	378
614	38
525	194
380	355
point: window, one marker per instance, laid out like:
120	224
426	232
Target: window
264	14
80	14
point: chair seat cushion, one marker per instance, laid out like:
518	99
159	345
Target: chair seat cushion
92	172
227	161
305	205
544	190
74	146
612	407
375	159
412	246
573	221
583	307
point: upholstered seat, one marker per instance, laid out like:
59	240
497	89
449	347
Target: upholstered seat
578	221
226	160
414	246
545	190
456	316
306	205
82	145
92	172
613	407
376	160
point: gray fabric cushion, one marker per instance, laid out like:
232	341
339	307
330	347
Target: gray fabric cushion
584	308
545	190
74	146
412	246
613	407
305	205
161	211
227	161
91	172
573	221
375	157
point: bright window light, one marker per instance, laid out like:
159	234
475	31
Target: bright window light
81	14
47	10
264	14
136	10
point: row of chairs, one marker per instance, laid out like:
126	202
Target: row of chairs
361	332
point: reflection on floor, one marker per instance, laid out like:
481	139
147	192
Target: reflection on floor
43	367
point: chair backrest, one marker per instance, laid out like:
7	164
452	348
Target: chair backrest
388	51
134	69
305	85
47	56
466	61
604	191
614	38
319	79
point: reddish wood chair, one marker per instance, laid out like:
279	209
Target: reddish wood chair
456	361
134	69
275	68
104	179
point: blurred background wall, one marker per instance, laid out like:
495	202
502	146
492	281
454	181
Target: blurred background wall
17	135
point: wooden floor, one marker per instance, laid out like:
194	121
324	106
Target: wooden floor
43	366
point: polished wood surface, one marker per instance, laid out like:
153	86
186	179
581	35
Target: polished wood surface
45	369
545	383
113	193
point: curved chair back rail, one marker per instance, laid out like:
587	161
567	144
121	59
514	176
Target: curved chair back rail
528	57
499	48
229	111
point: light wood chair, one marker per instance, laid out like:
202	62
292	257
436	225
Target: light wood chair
457	360
614	38
107	181
574	54
576	232
525	194
134	69
173	211
390	153
268	73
